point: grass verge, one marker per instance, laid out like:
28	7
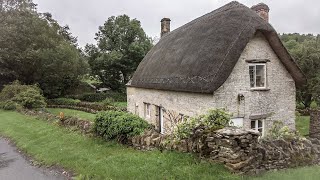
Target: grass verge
97	159
52	145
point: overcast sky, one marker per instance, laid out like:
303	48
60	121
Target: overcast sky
84	16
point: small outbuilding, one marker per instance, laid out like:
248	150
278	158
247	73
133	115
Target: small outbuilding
230	58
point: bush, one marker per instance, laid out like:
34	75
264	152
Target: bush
64	101
280	131
98	97
215	119
313	105
108	102
9	105
9	91
299	105
31	98
115	124
28	96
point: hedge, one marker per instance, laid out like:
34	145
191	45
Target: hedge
97	97
78	105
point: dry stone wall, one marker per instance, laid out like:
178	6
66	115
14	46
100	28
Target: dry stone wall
239	150
314	130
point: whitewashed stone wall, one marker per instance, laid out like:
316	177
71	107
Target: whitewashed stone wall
278	103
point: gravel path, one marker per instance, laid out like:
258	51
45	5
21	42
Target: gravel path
13	166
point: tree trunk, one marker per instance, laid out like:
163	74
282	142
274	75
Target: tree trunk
307	101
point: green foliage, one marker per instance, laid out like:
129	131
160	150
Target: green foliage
215	119
64	101
115	124
11	90
299	105
34	48
314	105
28	96
98	97
31	98
305	49
121	45
108	102
9	105
279	131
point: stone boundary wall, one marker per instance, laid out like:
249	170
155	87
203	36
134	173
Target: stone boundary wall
88	110
239	150
83	126
314	130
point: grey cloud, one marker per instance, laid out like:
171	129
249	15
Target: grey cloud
85	16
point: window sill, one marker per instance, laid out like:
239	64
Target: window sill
259	89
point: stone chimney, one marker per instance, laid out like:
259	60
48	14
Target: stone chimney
165	26
262	10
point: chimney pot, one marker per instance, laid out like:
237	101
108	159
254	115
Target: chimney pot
165	26
262	10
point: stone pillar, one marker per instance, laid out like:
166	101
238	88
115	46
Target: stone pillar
262	10
165	26
314	131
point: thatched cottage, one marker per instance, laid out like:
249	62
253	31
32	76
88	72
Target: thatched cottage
230	58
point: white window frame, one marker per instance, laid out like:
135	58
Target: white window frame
147	110
256	124
255	75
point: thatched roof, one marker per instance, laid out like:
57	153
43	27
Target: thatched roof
200	55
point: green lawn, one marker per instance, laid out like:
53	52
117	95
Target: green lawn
51	144
120	104
74	113
302	124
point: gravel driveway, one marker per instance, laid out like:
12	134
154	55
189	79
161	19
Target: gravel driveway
13	166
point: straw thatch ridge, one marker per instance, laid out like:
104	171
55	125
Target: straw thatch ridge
200	55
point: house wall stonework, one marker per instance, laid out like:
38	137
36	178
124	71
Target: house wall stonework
277	102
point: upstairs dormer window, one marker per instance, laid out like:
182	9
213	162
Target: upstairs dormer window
258	76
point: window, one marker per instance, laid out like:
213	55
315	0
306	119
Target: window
258	78
237	122
147	110
258	125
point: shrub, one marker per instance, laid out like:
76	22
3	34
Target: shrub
64	101
115	124
280	131
98	97
215	119
108	102
313	105
10	105
9	91
28	96
299	105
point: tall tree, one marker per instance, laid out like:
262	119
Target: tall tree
121	45
306	51
34	48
